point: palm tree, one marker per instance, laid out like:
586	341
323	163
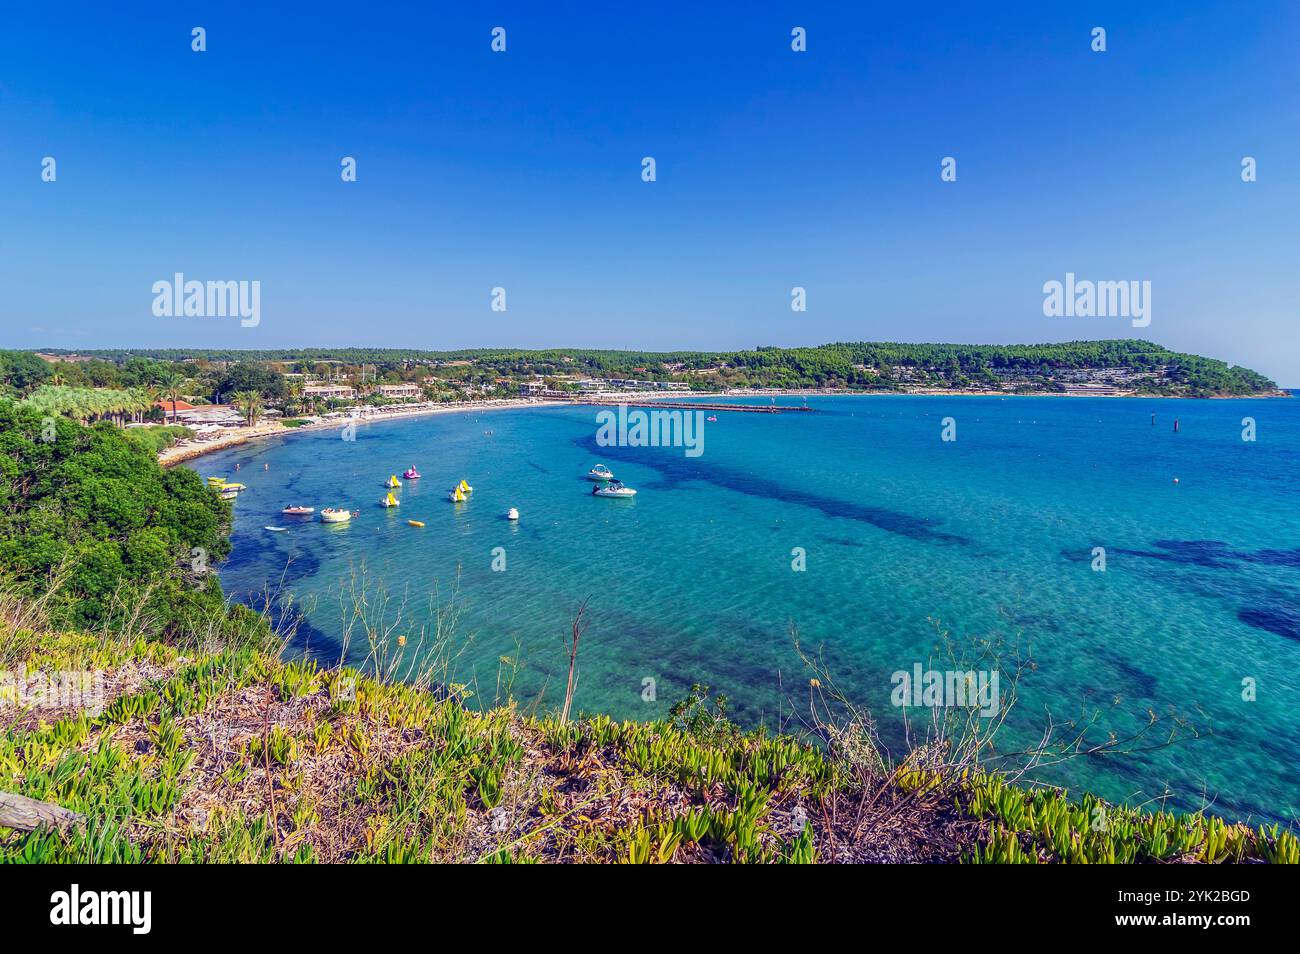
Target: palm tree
152	395
84	404
142	399
171	383
250	402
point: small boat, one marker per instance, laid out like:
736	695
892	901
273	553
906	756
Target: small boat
390	501
512	514
216	481
276	529
712	418
392	481
456	495
416	523
235	487
298	511
600	472
411	473
229	494
615	489
335	515
464	487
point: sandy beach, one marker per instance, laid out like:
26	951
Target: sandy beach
189	450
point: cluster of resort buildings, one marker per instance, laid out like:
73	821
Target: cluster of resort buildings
554	386
324	391
595	386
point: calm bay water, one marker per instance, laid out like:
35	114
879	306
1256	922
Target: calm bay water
989	537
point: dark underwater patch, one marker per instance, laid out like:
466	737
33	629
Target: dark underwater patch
1277	557
300	564
1281	750
1213	554
1204	553
1143	682
1278	618
841	541
1118	678
678	470
310	639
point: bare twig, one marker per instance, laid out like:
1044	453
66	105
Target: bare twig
578	626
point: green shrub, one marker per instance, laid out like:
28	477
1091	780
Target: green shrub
89	509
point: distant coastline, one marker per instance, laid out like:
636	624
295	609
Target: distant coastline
192	450
959	392
1107	367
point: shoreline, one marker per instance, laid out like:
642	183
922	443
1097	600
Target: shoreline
180	453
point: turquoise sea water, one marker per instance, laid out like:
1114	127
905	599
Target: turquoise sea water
991	535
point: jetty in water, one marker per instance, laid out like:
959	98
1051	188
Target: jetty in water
692	406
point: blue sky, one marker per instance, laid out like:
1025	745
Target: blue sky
775	169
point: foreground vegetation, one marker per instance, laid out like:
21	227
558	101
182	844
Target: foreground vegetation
239	757
87	515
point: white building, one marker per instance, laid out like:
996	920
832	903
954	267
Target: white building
328	391
210	415
400	390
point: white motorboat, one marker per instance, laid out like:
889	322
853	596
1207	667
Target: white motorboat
512	514
600	472
335	515
614	489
